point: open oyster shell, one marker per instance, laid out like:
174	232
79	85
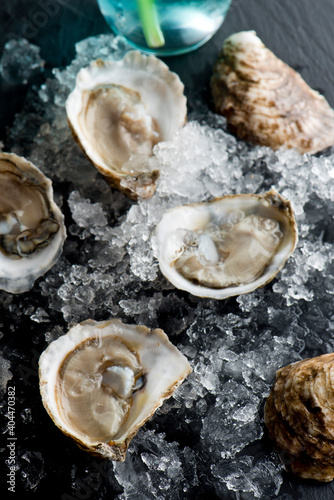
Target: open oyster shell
299	414
119	110
227	246
265	101
32	230
102	380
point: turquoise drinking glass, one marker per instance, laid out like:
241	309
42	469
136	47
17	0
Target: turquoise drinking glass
165	27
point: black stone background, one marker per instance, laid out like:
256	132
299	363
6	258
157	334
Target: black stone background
298	31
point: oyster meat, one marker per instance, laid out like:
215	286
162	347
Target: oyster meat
32	230
228	246
265	101
119	110
299	414
102	380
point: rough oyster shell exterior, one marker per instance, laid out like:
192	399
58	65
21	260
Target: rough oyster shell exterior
299	415
265	101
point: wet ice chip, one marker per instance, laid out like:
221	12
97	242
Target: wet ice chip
168	468
20	61
85	213
31	469
245	475
246	413
5	373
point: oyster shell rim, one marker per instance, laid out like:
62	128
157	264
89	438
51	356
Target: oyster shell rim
23	283
113	449
198	290
133	59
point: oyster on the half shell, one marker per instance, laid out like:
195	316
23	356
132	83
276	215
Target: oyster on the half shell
265	101
299	414
227	246
102	380
119	110
32	230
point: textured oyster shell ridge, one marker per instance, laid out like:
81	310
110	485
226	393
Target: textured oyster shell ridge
299	415
265	101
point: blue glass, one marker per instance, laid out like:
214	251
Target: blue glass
185	24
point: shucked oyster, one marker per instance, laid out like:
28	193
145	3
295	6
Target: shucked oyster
265	101
228	246
119	110
102	380
299	414
32	230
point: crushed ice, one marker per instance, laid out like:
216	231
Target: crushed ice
5	373
30	63
109	268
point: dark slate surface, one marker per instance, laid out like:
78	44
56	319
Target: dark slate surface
300	32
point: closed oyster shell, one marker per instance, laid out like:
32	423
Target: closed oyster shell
119	110
299	414
265	101
103	380
228	246
32	230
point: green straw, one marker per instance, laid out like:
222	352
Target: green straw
150	22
